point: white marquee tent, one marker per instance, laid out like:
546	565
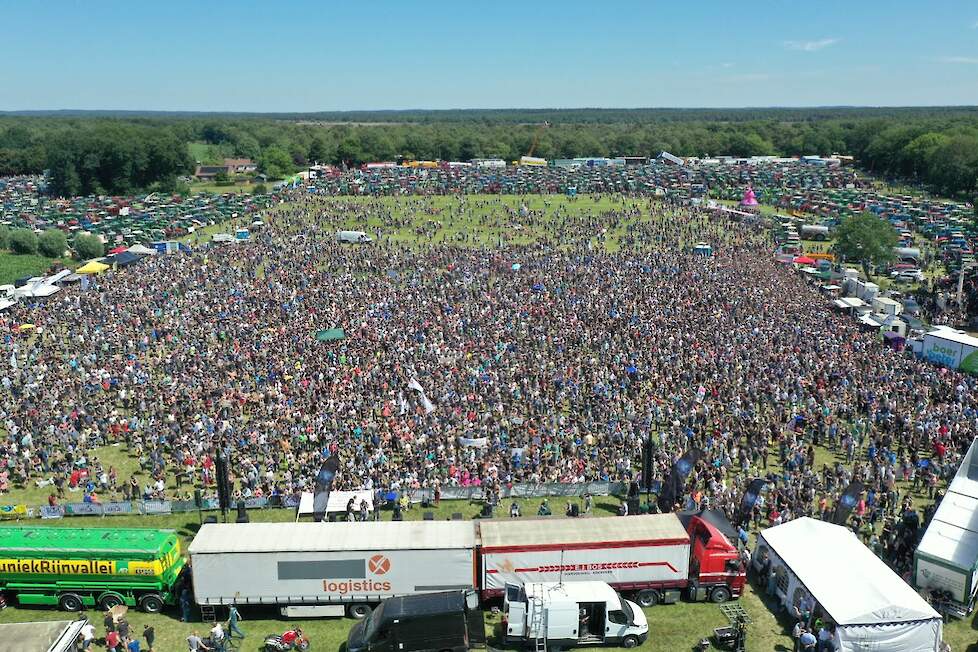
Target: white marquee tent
873	608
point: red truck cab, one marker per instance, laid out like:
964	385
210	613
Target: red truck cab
715	563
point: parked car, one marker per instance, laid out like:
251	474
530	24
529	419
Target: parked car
908	276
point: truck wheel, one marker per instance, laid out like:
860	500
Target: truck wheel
647	598
109	600
359	611
719	594
70	602
151	603
629	641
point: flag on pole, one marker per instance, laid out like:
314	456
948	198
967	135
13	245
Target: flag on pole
847	502
674	487
750	498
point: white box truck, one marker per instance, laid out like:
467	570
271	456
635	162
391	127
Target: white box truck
951	348
569	614
328	569
353	237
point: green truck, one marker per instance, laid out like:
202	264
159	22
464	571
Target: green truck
76	568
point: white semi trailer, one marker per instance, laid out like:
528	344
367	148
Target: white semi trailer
316	569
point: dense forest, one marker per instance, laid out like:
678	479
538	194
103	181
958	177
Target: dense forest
121	152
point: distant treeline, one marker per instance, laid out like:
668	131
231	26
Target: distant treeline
119	153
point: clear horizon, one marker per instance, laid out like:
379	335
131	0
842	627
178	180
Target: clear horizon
253	57
498	108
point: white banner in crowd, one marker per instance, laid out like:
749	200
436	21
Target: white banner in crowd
476	442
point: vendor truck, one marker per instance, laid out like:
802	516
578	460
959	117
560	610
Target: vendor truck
76	568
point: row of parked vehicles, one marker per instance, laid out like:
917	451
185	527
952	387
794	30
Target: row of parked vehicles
601	570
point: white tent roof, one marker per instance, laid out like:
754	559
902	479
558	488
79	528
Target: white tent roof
849	302
851	583
60	276
869	321
953	532
36	290
142	250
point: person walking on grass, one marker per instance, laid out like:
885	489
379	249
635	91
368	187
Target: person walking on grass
234	617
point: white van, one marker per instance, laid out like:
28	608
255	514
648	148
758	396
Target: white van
571	614
352	237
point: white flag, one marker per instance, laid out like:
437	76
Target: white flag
402	402
13	360
429	407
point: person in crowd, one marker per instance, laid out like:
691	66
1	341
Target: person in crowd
217	637
195	643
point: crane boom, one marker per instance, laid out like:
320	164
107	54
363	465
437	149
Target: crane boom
536	138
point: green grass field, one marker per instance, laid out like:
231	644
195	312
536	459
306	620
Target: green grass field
237	188
14	266
209	154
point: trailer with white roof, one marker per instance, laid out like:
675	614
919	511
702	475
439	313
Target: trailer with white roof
317	569
946	559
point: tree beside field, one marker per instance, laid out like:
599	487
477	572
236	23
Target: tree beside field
88	246
23	241
866	239
52	243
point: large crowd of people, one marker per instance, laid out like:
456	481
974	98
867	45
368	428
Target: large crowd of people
478	354
773	178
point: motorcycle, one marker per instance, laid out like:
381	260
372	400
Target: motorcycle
285	642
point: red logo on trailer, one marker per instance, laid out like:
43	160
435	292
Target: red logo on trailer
379	564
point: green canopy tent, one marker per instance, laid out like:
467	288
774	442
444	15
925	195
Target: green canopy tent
330	335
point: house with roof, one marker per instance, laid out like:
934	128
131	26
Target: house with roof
240	165
230	167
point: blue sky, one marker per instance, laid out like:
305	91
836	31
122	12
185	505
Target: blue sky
294	55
